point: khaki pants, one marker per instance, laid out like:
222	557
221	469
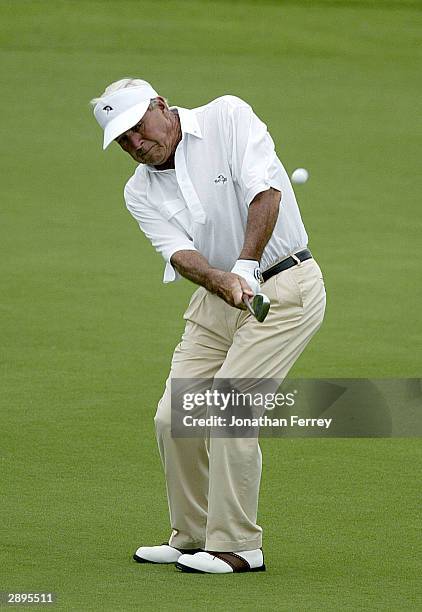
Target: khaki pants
213	483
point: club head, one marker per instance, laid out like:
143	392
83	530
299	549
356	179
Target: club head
258	306
261	306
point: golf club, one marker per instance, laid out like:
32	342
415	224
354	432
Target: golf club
259	306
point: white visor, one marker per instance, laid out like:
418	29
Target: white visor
122	109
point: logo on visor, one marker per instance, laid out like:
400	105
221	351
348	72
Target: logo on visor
107	109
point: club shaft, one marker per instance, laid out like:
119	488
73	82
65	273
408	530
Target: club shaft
248	305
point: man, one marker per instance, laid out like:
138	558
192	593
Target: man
213	198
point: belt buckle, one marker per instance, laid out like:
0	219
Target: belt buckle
297	260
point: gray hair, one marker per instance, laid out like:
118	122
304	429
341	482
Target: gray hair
121	84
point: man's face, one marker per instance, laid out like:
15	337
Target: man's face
150	141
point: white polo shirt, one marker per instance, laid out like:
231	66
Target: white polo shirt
225	158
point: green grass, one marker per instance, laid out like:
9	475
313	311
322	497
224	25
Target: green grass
88	329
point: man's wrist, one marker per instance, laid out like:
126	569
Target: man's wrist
249	262
248	257
212	279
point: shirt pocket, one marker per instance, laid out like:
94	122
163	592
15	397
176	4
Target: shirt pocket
177	213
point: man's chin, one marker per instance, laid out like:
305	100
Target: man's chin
155	159
148	158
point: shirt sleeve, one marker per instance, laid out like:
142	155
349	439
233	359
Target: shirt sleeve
255	164
164	237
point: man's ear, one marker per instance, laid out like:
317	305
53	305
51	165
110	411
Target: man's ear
162	103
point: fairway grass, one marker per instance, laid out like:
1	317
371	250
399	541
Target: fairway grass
88	328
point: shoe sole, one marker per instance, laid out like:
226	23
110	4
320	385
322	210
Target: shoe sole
141	560
191	570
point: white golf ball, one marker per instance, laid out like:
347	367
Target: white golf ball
300	175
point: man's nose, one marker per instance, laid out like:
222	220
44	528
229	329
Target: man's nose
135	140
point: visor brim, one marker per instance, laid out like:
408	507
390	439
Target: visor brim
124	122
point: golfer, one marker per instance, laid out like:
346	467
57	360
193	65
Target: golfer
214	199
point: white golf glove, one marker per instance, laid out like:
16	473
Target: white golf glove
250	271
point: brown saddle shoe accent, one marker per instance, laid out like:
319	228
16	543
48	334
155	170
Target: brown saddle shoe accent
236	562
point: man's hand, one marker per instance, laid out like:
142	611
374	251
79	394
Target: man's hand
249	270
229	287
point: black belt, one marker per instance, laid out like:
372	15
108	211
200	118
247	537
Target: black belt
287	263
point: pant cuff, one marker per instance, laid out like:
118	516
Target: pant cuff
185	544
234	546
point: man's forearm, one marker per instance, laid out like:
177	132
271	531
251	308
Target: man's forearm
193	266
229	287
262	217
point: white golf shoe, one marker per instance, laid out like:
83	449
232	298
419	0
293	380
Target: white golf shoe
160	554
222	562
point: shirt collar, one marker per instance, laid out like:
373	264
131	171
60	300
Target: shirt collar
188	121
189	125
